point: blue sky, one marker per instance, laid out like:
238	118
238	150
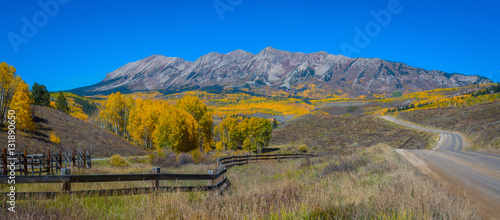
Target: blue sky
80	42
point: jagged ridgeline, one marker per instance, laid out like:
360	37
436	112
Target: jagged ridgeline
272	72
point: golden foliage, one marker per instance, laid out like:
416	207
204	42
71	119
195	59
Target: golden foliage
319	112
266	106
53	138
248	133
8	85
21	102
176	129
118	161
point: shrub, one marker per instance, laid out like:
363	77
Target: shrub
303	148
201	157
184	158
196	154
118	161
165	158
139	160
54	139
351	109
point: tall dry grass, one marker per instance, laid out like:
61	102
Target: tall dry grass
364	183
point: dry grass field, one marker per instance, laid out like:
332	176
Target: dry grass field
321	133
74	134
361	183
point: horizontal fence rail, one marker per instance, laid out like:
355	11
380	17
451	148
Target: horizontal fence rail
242	160
66	180
217	179
111	178
127	191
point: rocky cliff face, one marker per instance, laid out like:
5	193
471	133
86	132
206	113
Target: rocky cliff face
274	70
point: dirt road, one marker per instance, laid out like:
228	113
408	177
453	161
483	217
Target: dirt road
471	174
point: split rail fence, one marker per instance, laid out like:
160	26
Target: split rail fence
242	160
50	163
217	179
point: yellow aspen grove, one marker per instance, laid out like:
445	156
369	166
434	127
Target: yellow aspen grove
134	123
129	105
113	112
8	84
194	106
142	122
249	133
227	131
176	129
206	131
21	104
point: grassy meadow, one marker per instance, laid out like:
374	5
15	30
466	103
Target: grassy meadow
359	183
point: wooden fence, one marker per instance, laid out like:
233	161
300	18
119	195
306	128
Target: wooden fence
217	179
242	160
49	163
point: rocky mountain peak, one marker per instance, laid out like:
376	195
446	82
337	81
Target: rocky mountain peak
275	69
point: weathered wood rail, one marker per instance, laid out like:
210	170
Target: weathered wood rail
65	179
217	179
49	163
242	160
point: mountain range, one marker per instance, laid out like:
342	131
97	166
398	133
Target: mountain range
272	71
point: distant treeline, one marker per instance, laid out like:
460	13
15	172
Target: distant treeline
495	88
483	96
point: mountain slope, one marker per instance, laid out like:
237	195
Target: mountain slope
74	133
273	69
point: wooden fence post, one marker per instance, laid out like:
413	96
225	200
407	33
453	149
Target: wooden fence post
25	157
155	183
32	165
89	159
278	156
211	182
74	160
4	158
60	160
40	165
48	161
66	185
84	158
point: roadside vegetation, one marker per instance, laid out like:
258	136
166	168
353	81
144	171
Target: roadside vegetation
358	183
479	123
